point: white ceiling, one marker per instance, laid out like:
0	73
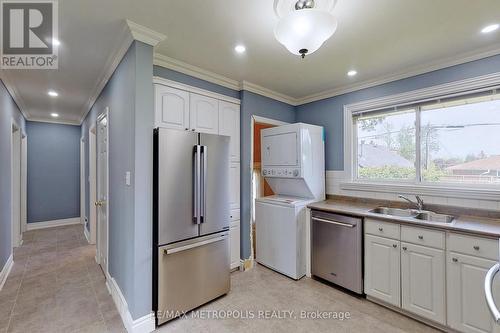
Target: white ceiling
378	38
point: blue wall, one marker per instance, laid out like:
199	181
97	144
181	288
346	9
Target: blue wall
8	112
129	96
253	104
329	112
53	171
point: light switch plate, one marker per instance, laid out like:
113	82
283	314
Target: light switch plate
127	178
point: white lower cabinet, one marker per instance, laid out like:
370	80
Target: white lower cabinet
423	281
467	308
234	241
382	269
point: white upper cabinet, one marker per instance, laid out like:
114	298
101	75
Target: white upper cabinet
229	124
382	269
204	114
423	281
172	107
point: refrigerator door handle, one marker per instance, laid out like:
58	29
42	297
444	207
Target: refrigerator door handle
488	290
194	245
196	185
203	197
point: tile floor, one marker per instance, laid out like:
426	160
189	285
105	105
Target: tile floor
56	286
261	289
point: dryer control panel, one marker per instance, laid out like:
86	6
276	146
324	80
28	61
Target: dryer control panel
281	172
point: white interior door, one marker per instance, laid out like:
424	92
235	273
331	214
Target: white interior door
16	186
102	190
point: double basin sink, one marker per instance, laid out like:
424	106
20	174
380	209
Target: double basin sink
421	215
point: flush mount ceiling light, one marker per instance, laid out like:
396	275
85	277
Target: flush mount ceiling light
352	73
54	115
52	93
490	28
56	42
240	48
305	27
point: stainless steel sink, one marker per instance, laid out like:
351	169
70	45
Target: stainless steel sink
434	217
413	213
395	211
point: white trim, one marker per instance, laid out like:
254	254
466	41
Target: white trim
417	70
200	73
185	87
82	182
15	183
252	87
24	183
259	119
144	34
14	93
53	223
4	274
125	39
86	233
144	324
54	121
436	190
92	218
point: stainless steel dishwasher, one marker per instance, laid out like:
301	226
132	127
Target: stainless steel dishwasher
337	249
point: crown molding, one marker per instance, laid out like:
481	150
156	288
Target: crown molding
14	93
125	39
200	73
252	87
417	70
144	34
54	121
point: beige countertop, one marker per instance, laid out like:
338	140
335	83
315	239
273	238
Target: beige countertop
469	224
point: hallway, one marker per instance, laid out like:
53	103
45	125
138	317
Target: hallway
56	286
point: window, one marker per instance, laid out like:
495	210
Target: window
454	140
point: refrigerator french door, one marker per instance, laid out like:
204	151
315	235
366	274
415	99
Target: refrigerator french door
191	221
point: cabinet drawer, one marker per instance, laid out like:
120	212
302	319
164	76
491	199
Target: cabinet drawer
382	229
422	236
475	246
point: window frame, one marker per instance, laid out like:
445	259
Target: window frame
414	98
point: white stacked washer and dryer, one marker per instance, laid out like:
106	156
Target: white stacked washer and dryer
293	163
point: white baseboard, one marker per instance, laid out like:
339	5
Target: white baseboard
6	270
53	223
144	324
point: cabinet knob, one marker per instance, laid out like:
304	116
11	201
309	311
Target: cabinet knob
380	229
187	129
405	248
192	129
231	216
454	259
476	247
394	245
420	237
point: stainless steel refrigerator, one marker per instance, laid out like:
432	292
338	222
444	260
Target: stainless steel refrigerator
191	264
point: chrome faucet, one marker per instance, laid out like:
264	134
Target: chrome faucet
419	204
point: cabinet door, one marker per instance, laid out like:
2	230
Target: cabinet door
467	308
382	269
204	114
234	241
172	107
229	124
234	186
423	281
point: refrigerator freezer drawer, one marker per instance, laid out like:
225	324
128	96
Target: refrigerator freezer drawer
192	273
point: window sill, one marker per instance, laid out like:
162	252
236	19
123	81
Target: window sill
447	191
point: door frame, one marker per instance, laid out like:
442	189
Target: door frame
104	114
264	120
82	182
92	185
15	184
24	183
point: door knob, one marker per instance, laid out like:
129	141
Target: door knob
454	259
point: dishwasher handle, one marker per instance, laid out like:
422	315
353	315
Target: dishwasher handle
342	224
488	291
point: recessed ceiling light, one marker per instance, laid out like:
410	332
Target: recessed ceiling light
54	115
240	48
56	42
52	93
352	73
490	28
